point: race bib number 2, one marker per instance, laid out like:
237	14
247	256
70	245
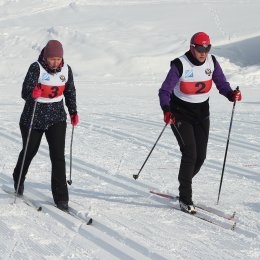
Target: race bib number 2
194	88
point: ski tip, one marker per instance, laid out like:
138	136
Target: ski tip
90	221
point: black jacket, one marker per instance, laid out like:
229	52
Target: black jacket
46	114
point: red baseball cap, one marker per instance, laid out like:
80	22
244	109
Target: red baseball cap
200	38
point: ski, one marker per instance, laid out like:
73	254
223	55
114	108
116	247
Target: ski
200	206
199	214
204	217
83	217
172	202
78	215
168	196
217	212
23	198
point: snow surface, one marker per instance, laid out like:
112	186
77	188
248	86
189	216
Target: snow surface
120	51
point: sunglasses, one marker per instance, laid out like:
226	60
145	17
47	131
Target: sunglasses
201	48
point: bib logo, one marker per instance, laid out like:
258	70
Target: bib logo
62	78
45	76
208	72
188	74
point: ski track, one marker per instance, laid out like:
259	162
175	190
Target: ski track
133	139
143	142
140	141
33	12
89	237
108	227
98	173
220	138
100	237
107	232
22	239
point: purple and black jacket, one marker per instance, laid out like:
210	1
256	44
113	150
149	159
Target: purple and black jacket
192	112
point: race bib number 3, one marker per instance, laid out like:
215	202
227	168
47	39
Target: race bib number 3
193	88
51	91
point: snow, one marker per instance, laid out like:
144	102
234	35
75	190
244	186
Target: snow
120	51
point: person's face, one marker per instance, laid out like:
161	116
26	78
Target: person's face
200	56
54	62
201	52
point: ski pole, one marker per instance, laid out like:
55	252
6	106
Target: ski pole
224	163
25	151
70	181
135	176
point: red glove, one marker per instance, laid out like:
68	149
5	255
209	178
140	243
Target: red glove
36	93
235	96
169	118
74	118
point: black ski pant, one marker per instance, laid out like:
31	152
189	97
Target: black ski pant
55	136
193	141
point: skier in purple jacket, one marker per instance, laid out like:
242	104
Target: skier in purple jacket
184	99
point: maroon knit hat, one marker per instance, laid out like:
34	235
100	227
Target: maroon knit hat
53	49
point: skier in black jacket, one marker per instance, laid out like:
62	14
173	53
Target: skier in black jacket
47	81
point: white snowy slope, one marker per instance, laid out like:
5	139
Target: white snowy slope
120	51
